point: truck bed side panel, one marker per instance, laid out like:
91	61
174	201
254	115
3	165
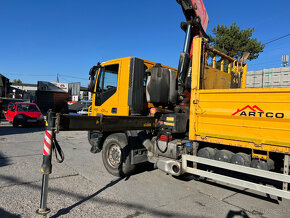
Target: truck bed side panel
259	116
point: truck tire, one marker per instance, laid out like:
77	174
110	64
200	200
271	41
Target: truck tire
116	155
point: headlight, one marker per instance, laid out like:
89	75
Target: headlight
20	116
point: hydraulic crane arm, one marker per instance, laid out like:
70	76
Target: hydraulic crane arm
194	11
195	25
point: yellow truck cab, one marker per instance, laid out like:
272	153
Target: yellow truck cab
120	87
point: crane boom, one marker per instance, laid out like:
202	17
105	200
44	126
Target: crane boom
193	10
195	26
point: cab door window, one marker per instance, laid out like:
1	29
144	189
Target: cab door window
107	83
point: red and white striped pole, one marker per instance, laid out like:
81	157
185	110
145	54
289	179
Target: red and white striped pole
46	167
47	143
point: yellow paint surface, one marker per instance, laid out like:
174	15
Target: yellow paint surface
120	99
256	118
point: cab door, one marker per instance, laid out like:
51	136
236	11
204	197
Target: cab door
106	99
10	112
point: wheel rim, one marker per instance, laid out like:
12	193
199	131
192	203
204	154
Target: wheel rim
114	155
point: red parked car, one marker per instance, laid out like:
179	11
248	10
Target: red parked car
24	114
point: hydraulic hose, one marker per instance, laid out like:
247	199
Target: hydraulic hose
59	155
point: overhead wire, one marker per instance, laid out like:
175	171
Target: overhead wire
64	79
270	50
21	74
274	40
64	75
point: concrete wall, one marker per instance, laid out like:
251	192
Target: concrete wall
275	77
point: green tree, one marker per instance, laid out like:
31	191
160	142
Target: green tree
17	81
234	41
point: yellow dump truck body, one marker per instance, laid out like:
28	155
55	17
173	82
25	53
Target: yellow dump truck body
256	118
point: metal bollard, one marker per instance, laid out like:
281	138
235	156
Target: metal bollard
46	167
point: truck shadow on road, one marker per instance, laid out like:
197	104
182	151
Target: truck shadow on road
68	209
240	213
143	167
140	209
3	160
10	130
6	214
190	177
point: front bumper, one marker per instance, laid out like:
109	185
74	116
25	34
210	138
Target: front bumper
29	122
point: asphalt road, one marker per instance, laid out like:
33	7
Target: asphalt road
81	187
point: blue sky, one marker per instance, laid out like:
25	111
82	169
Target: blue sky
39	39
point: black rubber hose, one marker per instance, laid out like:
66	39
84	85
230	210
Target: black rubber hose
57	149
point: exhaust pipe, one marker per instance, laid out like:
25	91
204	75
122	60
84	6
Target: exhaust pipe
169	166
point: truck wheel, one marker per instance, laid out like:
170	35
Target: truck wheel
115	155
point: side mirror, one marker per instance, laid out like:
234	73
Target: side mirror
91	84
92	73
